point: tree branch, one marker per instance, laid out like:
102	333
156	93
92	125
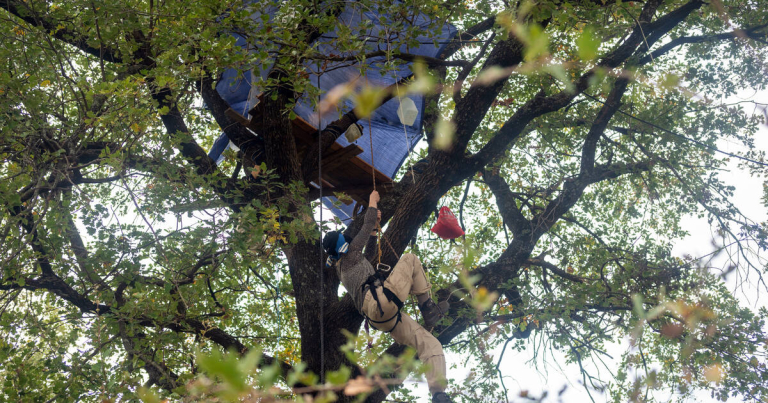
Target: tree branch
25	12
430	61
195	155
505	201
541	104
750	33
609	108
540	262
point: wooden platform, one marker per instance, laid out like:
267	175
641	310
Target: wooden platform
343	170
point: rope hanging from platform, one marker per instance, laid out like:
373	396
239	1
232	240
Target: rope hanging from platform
322	263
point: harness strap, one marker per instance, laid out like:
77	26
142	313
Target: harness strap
399	319
392	297
372	283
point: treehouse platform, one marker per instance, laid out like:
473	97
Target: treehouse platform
343	170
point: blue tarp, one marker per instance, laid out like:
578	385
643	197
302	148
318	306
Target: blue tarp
391	139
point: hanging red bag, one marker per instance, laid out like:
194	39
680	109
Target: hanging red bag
447	226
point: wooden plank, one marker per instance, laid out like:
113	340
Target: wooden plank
237	117
342	167
302	127
338	183
340	157
336	160
380	177
365	188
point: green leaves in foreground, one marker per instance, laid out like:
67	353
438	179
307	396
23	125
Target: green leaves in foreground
230	377
588	43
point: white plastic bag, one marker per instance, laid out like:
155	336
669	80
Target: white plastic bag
407	111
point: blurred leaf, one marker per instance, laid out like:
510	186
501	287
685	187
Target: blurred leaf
559	73
147	395
536	42
367	100
670	81
491	75
224	367
588	43
444	135
713	373
339	376
423	82
672	330
335	96
357	386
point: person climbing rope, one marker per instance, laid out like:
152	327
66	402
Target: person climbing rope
379	294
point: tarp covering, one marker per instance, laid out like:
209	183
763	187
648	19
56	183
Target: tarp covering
392	139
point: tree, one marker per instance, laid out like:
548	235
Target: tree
572	136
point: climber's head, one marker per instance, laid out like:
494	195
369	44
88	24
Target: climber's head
335	244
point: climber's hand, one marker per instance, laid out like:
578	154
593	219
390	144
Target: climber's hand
374	199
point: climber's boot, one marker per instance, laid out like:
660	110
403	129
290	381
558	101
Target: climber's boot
441	397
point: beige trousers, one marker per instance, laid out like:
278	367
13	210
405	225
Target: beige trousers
407	278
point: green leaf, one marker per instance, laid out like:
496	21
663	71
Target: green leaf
537	43
339	376
224	367
444	135
147	395
367	100
557	71
588	43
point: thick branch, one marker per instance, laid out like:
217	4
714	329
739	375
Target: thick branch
472	108
540	262
609	108
506	202
23	11
430	61
751	33
248	142
204	165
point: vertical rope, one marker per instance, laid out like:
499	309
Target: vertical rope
322	264
373	179
405	129
279	313
370	137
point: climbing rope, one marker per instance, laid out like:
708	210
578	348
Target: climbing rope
373	179
378	223
405	129
322	263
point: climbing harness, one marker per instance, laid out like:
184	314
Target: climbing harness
372	284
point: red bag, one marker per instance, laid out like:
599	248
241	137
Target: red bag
447	226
